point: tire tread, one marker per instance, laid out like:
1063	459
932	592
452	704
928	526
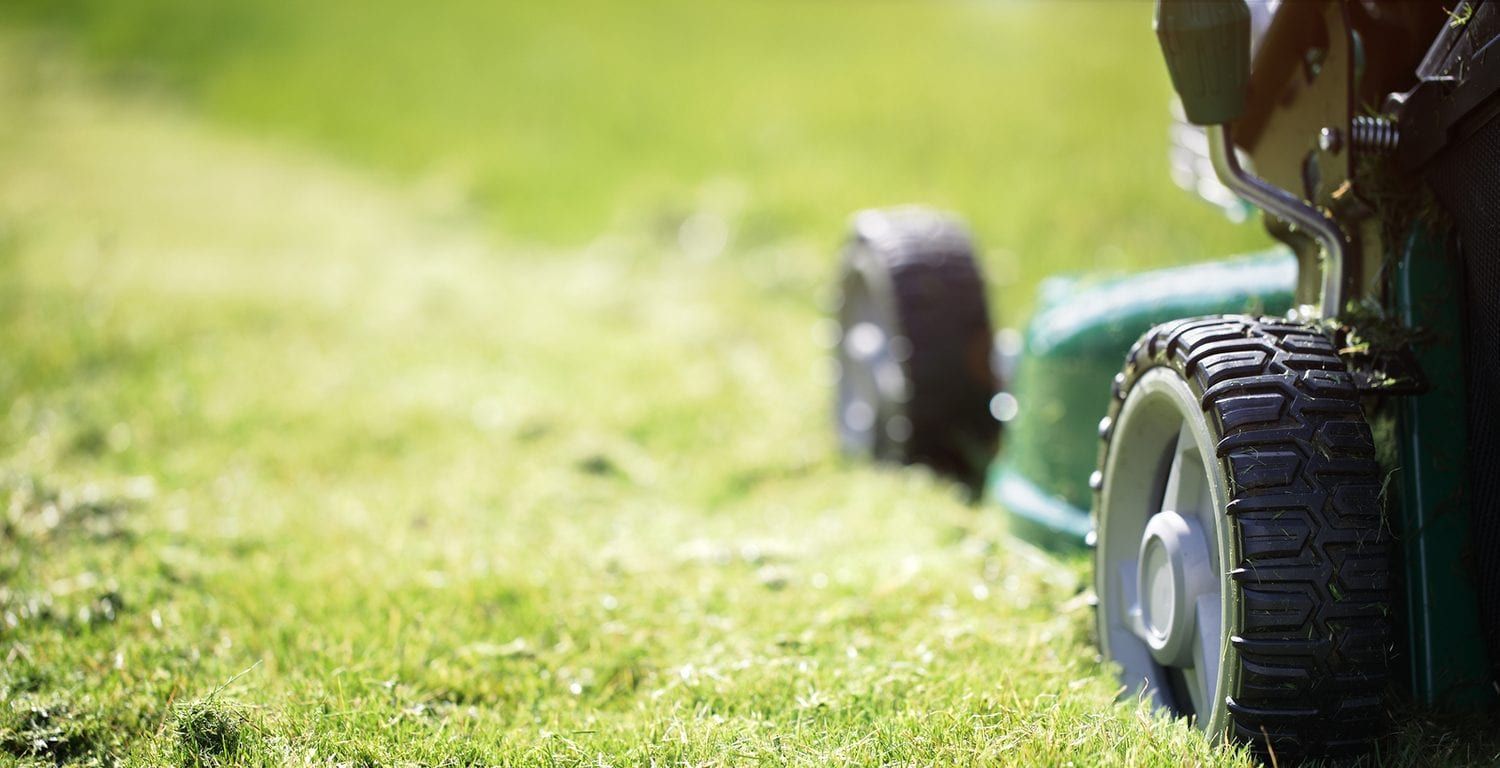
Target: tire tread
1314	556
938	297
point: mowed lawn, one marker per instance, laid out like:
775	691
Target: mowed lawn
479	416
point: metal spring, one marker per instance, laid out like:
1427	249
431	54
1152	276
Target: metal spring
1374	134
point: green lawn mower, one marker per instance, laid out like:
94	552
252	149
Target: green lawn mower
1287	465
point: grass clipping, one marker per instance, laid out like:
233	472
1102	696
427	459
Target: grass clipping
209	731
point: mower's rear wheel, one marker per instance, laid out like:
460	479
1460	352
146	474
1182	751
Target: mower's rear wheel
914	374
1242	564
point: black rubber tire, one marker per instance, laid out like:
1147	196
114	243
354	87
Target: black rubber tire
913	273
1311	580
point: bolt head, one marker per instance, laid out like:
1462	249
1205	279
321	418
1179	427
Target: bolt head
1330	140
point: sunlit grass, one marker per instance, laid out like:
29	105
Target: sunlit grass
301	471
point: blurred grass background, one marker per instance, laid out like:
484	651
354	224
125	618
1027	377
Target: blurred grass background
1042	122
386	383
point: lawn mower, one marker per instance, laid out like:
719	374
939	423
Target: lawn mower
1287	465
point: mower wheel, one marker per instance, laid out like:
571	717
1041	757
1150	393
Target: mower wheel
914	375
1242	564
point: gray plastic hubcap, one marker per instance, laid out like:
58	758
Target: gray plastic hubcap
1173	573
870	378
1162	538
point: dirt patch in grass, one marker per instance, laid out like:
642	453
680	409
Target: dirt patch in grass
39	523
36	512
53	732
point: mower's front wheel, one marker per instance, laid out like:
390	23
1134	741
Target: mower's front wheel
1242	565
913	354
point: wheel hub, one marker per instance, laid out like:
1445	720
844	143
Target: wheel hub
1172	571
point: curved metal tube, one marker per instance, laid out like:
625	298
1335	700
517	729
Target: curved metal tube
1285	205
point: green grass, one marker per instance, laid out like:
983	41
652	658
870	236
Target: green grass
1043	122
426	500
368	461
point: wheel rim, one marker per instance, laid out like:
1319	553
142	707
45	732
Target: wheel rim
870	376
1163	539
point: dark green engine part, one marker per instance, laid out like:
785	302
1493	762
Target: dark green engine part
1427	497
1073	348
